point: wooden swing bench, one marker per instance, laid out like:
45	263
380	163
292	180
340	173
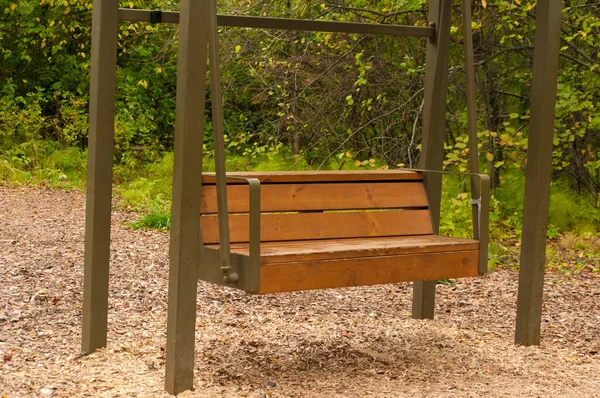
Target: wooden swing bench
288	231
294	231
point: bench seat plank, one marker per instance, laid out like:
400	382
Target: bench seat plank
320	196
324	274
327	249
308	226
327	176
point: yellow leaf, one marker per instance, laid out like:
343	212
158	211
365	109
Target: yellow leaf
518	2
13	6
238	48
484	3
131	4
489	156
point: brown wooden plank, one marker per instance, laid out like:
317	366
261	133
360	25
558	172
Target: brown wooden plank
99	174
296	251
434	133
185	232
322	176
301	226
285	277
340	196
539	172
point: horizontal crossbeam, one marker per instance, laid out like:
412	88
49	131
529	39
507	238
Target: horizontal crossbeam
283	24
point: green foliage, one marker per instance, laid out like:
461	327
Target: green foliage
319	94
306	100
569	210
44	85
572	212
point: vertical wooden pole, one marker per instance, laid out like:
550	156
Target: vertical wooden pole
99	174
539	171
187	178
432	143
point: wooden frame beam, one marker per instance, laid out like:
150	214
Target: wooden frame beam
434	116
241	21
99	174
187	178
539	171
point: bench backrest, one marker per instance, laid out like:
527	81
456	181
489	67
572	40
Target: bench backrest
322	205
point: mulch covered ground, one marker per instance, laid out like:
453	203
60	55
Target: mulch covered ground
341	343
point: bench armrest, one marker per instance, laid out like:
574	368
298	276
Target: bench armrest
481	209
254	224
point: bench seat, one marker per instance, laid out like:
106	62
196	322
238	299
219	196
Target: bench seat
334	263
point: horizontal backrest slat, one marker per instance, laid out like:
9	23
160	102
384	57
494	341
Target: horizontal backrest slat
320	196
322	176
327	225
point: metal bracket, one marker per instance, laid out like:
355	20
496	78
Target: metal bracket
478	203
244	275
156	17
433	37
475	202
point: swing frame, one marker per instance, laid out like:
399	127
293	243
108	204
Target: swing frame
185	242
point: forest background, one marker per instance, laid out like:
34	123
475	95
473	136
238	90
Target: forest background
308	100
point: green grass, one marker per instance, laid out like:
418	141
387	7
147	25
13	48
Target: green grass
43	163
157	217
570	212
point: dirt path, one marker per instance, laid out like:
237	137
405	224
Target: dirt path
343	343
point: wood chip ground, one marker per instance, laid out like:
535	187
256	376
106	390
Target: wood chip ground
339	343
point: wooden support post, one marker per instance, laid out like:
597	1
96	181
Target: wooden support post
99	174
539	171
187	178
432	143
